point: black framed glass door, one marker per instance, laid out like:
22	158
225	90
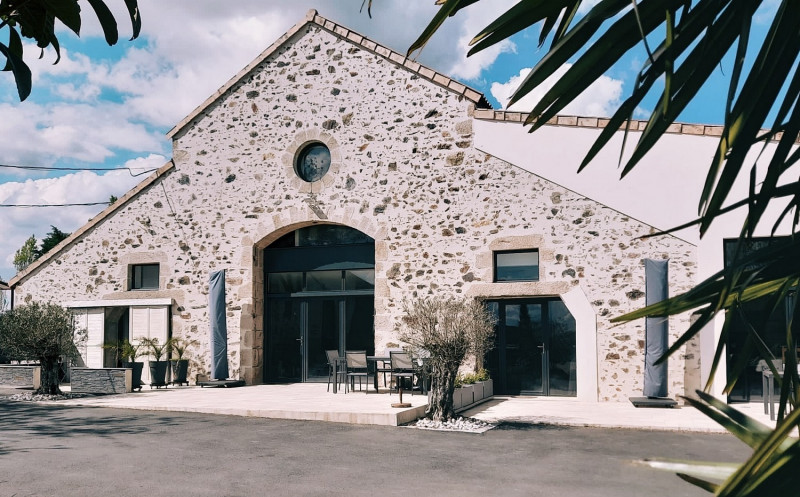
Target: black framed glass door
301	329
319	287
534	351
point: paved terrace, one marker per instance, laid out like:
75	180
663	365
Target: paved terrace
310	401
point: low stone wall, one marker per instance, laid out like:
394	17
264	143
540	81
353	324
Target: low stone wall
101	380
21	375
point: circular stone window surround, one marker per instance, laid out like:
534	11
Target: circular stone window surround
300	142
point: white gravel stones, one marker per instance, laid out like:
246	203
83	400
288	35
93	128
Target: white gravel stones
468	425
33	397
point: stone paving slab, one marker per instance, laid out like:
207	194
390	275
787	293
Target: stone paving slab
571	412
304	401
311	401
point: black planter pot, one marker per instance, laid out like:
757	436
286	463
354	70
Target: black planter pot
158	373
180	371
136	367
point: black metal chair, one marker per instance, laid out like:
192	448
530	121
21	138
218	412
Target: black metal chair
336	365
384	367
357	367
402	368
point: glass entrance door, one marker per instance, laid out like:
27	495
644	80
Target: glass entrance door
534	351
284	361
322	318
300	330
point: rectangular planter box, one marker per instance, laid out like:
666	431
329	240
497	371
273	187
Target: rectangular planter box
467	395
22	375
488	388
101	380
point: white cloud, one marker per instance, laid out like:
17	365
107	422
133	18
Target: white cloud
476	18
38	135
600	99
80	187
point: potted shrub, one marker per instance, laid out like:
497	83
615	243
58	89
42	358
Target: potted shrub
128	353
158	366
180	365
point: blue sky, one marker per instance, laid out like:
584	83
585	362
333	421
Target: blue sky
110	107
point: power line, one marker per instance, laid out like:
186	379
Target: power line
47	168
55	205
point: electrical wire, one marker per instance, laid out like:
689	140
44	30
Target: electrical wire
55	205
47	168
77	204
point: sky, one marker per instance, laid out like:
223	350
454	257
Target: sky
106	107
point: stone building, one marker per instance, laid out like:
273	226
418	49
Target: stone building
333	179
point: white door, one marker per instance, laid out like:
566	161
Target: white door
148	322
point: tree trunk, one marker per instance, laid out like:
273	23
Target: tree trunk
50	369
440	406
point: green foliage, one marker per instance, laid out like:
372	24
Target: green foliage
154	348
42	332
124	351
35	19
686	42
112	199
178	347
53	238
26	254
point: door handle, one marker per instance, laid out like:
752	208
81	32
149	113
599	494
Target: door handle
540	347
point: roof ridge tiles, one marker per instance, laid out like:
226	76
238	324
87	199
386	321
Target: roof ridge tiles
602	122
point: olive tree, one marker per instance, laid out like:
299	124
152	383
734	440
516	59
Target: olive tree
41	332
450	330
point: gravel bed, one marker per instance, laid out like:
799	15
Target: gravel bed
34	397
468	425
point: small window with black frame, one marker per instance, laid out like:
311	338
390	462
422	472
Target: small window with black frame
144	276
516	265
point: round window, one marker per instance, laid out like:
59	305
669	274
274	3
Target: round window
313	162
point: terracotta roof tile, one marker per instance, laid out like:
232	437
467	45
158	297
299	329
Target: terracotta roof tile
593	122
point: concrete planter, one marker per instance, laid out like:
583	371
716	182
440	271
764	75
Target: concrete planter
136	372
467	394
158	373
180	371
470	395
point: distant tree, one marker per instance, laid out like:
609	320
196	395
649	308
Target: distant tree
42	332
26	254
36	19
53	238
449	330
112	199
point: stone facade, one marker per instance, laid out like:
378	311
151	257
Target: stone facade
404	171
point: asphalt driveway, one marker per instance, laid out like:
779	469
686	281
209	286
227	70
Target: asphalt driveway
66	451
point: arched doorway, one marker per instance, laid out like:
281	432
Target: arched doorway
535	347
319	288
